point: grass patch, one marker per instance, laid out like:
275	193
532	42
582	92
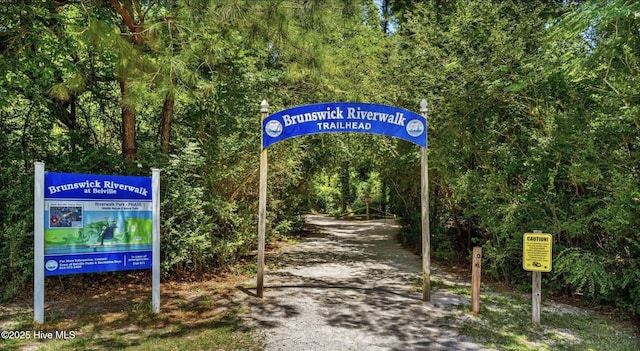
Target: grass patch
245	268
438	285
191	318
505	322
140	330
224	333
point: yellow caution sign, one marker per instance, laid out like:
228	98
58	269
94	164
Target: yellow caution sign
537	255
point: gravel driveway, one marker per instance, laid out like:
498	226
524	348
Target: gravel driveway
347	286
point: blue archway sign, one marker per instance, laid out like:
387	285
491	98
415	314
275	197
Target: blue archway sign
344	117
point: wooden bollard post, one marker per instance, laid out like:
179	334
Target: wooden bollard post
476	273
537	258
536	296
366	201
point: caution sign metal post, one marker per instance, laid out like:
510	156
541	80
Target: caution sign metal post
536	257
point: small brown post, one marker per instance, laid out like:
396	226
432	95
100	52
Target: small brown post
367	200
476	273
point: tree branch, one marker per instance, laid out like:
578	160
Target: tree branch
129	20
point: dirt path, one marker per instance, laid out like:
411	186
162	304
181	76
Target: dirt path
347	286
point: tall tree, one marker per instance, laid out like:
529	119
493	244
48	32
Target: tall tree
133	15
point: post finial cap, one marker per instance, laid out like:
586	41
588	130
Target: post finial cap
423	105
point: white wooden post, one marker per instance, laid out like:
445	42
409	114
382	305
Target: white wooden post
262	205
476	274
426	234
155	233
38	243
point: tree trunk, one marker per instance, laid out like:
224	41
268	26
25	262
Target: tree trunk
167	119
133	17
345	186
128	124
68	117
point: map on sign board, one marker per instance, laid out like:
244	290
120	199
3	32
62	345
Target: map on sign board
537	254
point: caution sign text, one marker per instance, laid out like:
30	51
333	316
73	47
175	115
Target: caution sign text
537	252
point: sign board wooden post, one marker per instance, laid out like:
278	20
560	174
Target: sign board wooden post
426	233
536	296
537	258
262	207
476	273
38	243
155	265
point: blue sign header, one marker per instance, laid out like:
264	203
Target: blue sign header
96	186
344	117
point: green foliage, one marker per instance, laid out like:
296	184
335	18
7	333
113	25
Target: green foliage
594	274
533	123
587	272
185	229
530	128
16	261
325	196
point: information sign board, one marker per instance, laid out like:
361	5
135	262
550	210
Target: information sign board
96	223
